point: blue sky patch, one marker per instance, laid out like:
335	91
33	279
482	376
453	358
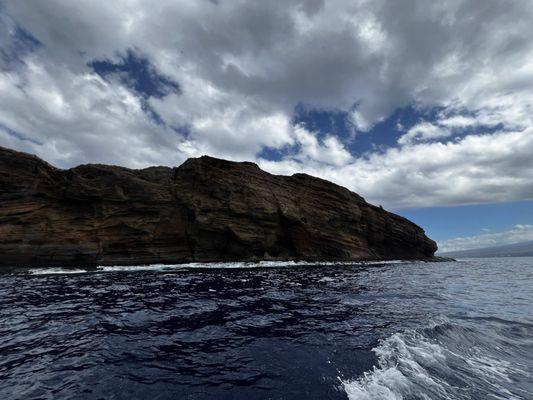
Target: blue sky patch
324	122
386	133
442	223
138	73
382	136
278	154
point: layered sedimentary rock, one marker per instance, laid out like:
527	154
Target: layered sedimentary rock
207	209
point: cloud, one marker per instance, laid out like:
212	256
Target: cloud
519	233
422	132
17	43
474	169
329	151
133	83
137	72
458	121
360	122
79	118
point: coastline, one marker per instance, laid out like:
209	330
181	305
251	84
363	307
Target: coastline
222	264
205	210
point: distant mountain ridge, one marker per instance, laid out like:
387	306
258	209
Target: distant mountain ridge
524	249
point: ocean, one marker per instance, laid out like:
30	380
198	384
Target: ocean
400	330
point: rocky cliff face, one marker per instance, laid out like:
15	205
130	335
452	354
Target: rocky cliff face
204	210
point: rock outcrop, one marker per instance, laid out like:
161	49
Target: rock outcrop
207	209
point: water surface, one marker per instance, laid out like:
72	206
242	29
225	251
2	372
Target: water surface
459	330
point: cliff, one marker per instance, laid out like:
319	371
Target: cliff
207	209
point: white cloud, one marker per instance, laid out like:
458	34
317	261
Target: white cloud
458	121
519	233
422	132
329	151
360	122
444	127
244	66
475	169
80	118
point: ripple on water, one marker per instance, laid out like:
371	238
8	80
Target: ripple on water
269	330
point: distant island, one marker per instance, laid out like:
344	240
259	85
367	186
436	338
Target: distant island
524	249
205	210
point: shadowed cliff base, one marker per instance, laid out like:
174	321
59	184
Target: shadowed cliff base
206	209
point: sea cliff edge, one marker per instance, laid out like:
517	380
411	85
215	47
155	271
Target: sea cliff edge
207	209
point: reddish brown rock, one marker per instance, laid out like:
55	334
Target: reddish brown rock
204	210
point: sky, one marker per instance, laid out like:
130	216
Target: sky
423	107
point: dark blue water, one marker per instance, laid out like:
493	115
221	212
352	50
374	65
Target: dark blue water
459	330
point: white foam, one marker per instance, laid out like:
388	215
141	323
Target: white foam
412	365
52	271
400	370
241	264
210	265
151	267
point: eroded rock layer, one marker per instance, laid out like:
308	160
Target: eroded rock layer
207	209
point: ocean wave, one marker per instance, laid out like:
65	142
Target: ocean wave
442	361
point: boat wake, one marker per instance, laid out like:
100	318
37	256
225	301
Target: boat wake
450	361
